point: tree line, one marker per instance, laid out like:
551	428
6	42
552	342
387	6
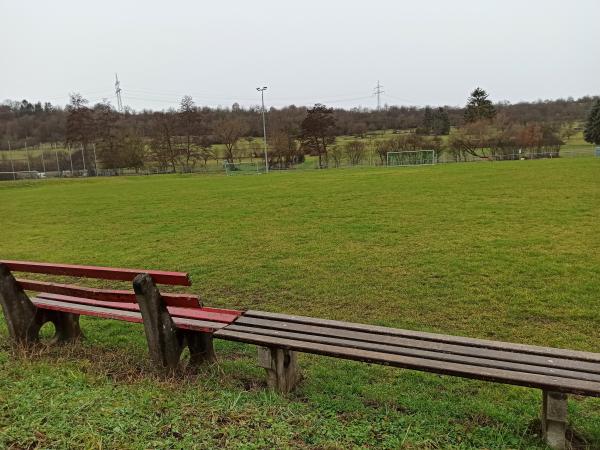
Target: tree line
190	136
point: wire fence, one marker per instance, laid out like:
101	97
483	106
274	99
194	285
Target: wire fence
73	164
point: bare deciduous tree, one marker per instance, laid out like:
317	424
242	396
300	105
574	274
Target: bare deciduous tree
355	151
317	131
336	152
206	151
162	145
80	123
188	127
283	150
229	132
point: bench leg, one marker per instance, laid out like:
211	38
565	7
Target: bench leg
66	326
22	317
554	419
201	348
164	340
281	366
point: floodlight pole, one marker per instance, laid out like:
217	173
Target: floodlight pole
43	162
57	163
27	152
83	159
262	97
71	159
95	160
12	164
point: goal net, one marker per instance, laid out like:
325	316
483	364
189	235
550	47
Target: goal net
243	168
411	158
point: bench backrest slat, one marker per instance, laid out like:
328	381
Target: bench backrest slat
106	295
104	273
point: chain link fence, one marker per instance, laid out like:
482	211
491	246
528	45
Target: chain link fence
63	164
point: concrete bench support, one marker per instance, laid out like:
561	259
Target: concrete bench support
282	368
165	341
24	320
554	419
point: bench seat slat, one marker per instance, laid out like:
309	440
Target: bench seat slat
420	353
105	313
109	295
175	311
104	273
204	326
496	356
481	343
546	382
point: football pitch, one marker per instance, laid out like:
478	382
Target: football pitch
505	251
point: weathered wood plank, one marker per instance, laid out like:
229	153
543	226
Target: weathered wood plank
376	338
483	343
104	273
557	384
108	295
231	312
204	326
418	353
188	313
85	310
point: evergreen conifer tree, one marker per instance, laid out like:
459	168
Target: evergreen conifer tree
479	107
591	133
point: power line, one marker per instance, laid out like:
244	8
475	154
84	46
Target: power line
165	96
172	97
398	98
138	95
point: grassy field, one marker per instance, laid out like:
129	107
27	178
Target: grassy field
507	251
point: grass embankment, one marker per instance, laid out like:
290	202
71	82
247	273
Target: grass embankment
507	251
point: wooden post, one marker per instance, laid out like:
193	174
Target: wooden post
25	320
201	348
554	419
20	314
66	325
281	366
165	341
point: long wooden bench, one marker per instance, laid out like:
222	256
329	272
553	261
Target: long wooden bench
174	321
556	372
171	321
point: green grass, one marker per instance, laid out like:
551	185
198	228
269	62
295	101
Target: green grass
507	251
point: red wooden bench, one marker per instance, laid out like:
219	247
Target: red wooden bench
171	321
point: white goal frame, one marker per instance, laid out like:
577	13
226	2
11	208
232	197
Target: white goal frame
411	158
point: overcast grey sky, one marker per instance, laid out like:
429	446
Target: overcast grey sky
331	51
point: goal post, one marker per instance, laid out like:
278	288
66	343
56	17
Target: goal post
243	168
411	158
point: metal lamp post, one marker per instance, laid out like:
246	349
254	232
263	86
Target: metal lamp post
262	97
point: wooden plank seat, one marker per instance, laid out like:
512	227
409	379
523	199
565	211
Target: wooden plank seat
556	372
201	319
172	321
